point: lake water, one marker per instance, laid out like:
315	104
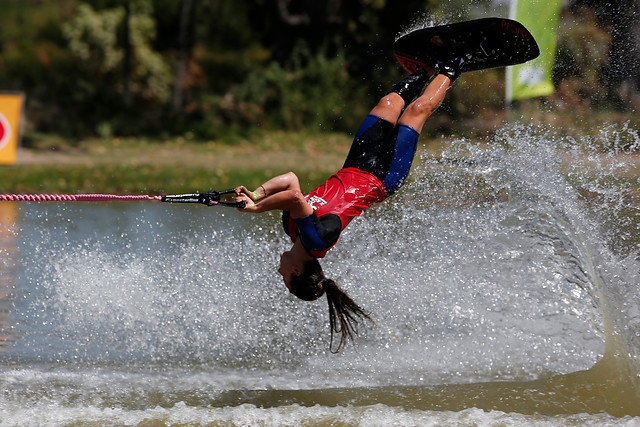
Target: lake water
503	282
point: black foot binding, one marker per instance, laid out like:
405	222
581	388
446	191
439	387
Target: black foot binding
411	86
451	68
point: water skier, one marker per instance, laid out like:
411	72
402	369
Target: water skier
376	167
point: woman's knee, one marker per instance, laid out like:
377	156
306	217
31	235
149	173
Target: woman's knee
389	107
420	109
417	113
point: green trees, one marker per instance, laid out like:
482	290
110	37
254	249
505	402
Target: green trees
129	65
211	67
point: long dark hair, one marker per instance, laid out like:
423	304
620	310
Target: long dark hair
344	313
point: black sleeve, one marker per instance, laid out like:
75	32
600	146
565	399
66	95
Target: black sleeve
329	228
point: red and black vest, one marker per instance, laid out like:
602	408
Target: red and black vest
341	198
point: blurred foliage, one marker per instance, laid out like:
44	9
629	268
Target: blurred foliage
271	64
290	97
93	38
582	58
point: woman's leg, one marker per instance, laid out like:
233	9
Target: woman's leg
401	94
408	131
389	107
373	143
384	145
417	113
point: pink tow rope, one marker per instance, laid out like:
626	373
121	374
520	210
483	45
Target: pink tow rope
73	197
209	198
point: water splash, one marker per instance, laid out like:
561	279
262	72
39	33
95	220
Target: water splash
504	262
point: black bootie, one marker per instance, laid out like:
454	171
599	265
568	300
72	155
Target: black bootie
411	86
451	68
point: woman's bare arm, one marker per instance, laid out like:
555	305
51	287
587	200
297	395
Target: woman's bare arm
279	193
284	182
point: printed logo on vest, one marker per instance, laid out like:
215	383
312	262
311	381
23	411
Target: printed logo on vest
316	202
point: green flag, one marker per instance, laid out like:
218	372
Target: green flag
534	77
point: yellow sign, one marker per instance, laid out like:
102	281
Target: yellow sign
10	114
534	78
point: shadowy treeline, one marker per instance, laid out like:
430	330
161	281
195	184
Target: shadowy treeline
214	68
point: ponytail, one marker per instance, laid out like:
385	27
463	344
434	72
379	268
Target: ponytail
344	313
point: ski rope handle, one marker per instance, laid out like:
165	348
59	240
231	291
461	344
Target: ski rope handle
211	198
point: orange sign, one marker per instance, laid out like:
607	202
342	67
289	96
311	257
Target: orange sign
8	219
10	114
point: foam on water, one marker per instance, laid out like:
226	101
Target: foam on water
295	415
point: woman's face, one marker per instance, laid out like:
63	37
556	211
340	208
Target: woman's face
288	267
